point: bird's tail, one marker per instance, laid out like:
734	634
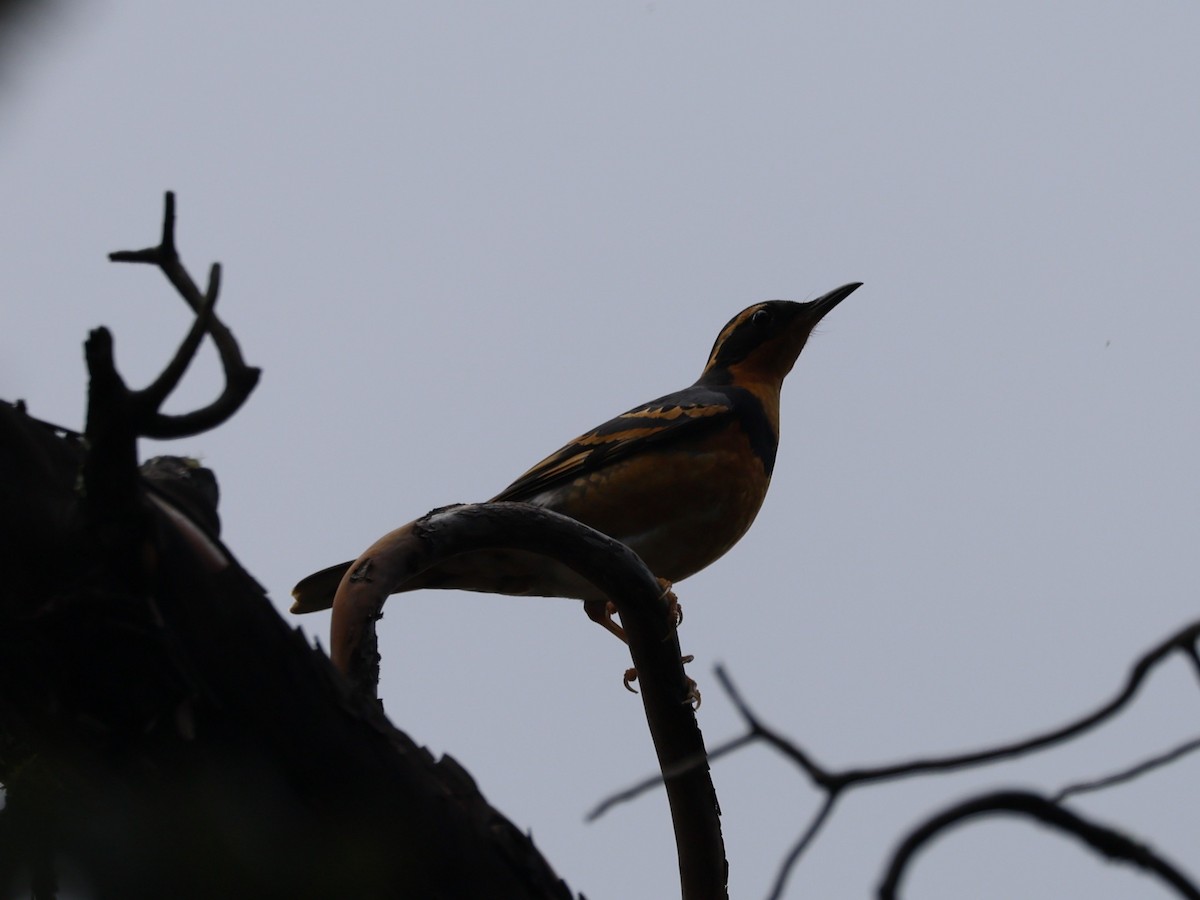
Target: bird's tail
316	591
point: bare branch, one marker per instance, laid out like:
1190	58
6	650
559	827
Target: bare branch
802	844
240	379
1193	655
1105	841
833	783
653	781
820	777
154	394
1181	641
1129	774
401	556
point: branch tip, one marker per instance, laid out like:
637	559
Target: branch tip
168	230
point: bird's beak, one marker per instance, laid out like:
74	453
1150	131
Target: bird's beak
818	308
807	316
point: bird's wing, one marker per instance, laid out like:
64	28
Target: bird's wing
681	415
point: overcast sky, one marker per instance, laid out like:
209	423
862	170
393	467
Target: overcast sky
456	235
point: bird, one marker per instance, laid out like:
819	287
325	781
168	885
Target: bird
679	479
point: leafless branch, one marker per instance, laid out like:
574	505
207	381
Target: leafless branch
1112	844
402	555
1129	774
653	781
833	783
240	379
798	848
757	729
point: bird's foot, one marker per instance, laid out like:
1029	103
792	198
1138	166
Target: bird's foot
692	697
601	612
674	608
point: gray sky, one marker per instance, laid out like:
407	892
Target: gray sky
504	223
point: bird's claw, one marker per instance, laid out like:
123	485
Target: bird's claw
674	609
691	697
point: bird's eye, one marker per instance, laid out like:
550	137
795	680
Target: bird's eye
761	318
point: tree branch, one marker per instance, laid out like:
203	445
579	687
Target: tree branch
1131	773
833	783
1105	841
160	727
240	379
402	555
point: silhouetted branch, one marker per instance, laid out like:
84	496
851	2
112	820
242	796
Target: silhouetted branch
756	729
833	783
156	393
1193	654
1182	641
402	555
1129	774
166	734
240	379
797	850
1111	844
162	731
653	781
116	417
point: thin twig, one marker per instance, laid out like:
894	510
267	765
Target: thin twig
1130	773
653	781
1182	640
835	782
793	855
1112	844
819	775
1179	641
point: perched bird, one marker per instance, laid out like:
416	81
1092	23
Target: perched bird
679	479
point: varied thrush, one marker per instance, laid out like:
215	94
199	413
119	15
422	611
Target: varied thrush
679	479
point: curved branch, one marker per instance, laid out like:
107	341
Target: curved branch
156	393
833	783
1182	640
403	554
118	416
1105	841
240	379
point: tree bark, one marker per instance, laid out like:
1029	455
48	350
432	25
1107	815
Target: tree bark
164	733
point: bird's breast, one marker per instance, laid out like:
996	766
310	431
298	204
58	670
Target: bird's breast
679	508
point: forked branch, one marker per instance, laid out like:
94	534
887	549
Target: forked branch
240	379
117	416
834	783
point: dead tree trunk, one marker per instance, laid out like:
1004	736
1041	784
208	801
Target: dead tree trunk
163	733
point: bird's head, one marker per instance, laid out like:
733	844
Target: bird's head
761	343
